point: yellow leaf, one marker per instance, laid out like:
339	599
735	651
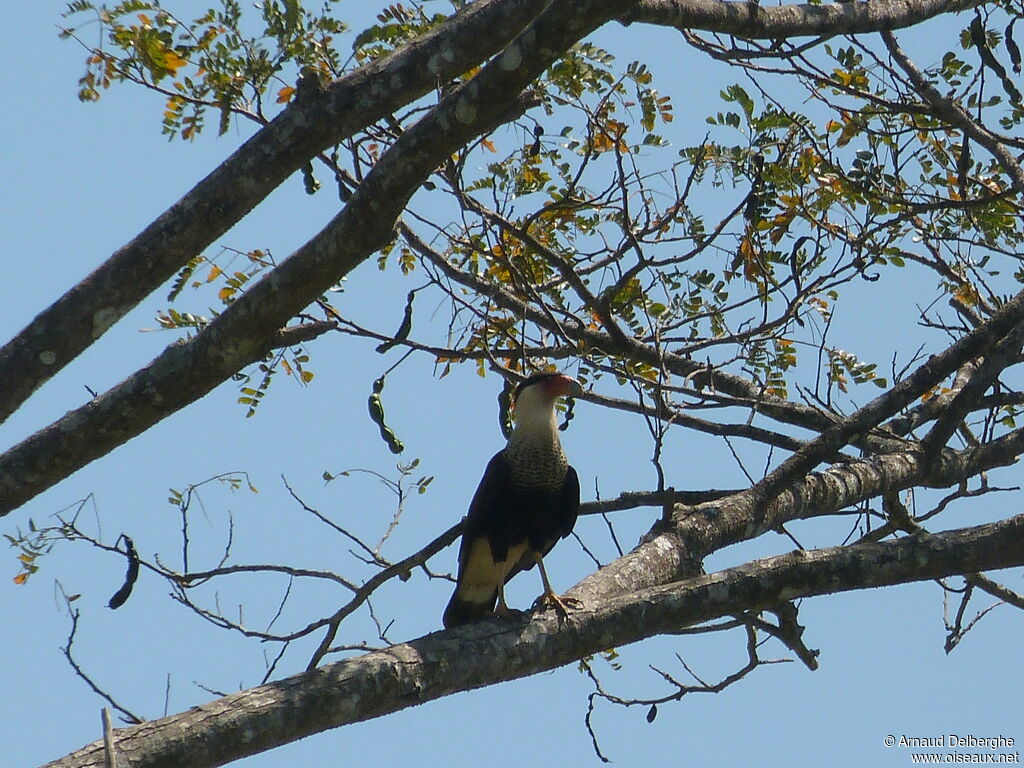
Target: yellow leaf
967	294
752	269
173	62
225	293
285	94
991	184
307	376
215	272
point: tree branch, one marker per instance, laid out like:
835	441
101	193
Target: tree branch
937	367
754	21
674	551
494	651
185	372
306	127
956	114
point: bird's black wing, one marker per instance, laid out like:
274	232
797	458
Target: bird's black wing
488	513
487	519
569	503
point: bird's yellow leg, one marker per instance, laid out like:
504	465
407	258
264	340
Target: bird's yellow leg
502	609
548	596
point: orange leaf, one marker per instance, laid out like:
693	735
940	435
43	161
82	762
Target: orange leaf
21	578
173	62
285	94
488	145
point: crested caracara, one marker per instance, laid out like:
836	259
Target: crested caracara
527	500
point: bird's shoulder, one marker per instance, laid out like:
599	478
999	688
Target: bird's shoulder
492	485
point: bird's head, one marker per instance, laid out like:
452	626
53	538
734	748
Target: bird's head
534	405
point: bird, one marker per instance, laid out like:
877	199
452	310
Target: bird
528	499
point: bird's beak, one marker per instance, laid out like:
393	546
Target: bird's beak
572	387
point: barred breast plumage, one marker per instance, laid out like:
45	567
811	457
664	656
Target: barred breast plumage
536	464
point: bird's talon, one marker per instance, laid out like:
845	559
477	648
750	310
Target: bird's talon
562	605
504	612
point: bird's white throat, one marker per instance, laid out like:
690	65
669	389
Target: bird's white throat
534	417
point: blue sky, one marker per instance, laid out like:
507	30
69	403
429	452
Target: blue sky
79	181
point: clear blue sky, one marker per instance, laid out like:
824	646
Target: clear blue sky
80	180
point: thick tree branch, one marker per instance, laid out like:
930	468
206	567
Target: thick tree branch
754	21
489	652
974	344
669	553
187	371
995	361
320	119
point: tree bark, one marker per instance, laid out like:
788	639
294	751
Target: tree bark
489	652
753	21
676	550
185	372
307	126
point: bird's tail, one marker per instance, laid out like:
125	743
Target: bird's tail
462	611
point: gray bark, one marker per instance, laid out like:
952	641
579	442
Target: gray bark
319	119
657	588
185	372
489	652
306	127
